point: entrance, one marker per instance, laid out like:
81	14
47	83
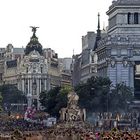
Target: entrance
137	79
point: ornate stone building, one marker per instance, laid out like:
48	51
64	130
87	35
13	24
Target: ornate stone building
119	52
32	69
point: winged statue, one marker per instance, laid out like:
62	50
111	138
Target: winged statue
34	29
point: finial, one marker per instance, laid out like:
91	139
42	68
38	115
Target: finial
98	30
103	26
73	52
34	29
98	21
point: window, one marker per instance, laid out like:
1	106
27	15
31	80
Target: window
129	18
133	18
136	18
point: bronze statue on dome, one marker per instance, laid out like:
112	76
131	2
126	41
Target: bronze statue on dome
34	29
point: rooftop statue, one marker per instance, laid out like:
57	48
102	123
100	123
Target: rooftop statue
34	29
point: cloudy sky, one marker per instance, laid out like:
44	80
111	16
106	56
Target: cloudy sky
61	22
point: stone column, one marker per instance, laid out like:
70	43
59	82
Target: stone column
37	82
23	90
45	85
29	100
29	96
31	87
40	86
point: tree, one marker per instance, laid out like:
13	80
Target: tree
119	97
11	94
0	102
93	94
54	100
48	100
97	95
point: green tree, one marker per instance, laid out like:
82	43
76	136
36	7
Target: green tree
93	94
48	100
0	103
55	99
11	94
119	97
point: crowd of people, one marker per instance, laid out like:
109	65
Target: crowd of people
11	128
81	134
20	124
22	130
73	134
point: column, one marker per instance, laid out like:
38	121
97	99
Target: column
31	87
23	90
45	85
29	96
40	85
37	81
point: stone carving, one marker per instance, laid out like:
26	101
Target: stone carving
72	99
112	62
72	112
125	62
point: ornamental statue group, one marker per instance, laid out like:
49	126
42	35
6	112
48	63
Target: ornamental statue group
72	112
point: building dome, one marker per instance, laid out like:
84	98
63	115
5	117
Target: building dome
33	44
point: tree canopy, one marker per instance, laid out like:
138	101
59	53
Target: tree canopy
93	94
96	95
99	95
54	100
0	102
11	94
119	97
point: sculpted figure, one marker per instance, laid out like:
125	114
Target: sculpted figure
72	99
34	29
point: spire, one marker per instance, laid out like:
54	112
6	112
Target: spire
98	30
98	37
98	21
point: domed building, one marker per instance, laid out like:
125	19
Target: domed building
32	69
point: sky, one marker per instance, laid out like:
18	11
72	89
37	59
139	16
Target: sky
62	22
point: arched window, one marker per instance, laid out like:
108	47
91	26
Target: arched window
136	18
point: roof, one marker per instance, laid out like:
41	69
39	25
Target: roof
18	50
125	3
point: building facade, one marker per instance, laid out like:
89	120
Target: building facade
118	52
85	64
32	69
